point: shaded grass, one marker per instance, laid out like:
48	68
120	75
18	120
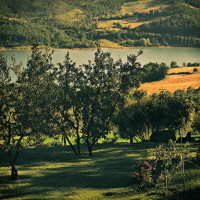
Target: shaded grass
55	173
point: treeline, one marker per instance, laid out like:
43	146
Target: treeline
180	28
20	33
145	115
62	99
153	72
84	102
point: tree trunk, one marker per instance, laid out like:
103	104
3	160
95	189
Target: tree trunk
78	142
131	139
71	145
64	140
89	148
14	173
90	151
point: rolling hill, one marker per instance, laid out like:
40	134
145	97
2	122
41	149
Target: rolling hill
88	23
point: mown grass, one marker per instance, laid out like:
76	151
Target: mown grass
55	173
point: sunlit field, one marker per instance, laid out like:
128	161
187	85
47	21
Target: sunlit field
109	44
130	22
177	78
142	6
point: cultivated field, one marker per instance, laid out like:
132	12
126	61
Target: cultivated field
109	44
142	6
132	22
177	78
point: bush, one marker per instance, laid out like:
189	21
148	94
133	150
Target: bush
195	70
142	173
173	64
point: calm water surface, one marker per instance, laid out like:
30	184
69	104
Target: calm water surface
158	55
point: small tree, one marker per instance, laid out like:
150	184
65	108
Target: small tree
181	109
173	64
36	88
132	120
195	70
171	160
11	133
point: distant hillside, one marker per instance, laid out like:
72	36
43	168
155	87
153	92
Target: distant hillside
88	23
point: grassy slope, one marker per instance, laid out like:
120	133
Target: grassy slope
129	8
55	173
175	81
142	6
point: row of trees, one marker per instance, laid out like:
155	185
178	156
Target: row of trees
64	99
145	115
85	102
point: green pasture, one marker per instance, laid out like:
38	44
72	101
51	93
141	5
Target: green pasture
55	173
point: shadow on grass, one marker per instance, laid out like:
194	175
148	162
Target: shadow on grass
19	194
57	169
192	194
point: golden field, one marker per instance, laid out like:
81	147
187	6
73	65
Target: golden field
142	6
130	22
175	81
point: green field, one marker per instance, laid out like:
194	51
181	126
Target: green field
55	173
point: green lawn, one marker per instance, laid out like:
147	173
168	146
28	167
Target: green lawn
55	173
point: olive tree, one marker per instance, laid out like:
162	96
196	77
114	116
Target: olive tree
92	93
10	129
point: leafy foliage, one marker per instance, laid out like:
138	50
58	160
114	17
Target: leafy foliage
94	91
172	160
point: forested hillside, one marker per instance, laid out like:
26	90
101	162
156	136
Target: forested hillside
85	23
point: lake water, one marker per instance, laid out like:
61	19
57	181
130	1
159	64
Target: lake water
158	55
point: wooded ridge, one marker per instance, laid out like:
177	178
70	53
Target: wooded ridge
84	23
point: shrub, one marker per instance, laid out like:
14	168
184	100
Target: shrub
195	70
171	158
173	64
142	173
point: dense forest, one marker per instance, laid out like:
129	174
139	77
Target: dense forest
72	24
